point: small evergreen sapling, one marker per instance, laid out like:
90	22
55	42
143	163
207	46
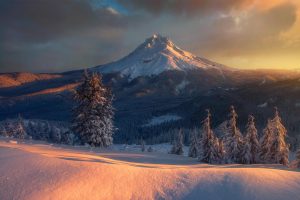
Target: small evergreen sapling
150	149
193	150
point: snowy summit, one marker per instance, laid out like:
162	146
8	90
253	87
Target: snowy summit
156	55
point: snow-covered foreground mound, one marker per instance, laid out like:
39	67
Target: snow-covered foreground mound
38	171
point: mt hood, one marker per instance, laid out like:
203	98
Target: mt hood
156	55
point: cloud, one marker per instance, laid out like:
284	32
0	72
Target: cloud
60	35
187	7
37	34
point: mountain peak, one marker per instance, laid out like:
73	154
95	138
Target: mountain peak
157	41
156	55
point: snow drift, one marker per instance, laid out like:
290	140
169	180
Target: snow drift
37	171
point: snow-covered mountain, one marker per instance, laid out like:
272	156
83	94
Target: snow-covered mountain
156	55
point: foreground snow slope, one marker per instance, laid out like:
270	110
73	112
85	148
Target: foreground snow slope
40	171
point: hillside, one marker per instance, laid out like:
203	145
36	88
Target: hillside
17	79
42	171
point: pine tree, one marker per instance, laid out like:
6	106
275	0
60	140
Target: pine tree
19	128
3	131
142	145
94	112
221	151
193	150
234	139
209	146
266	143
150	149
279	148
298	159
251	147
177	147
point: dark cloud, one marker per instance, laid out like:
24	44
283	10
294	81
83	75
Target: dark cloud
40	20
37	34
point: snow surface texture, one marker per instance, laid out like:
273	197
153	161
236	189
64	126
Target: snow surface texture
41	171
156	55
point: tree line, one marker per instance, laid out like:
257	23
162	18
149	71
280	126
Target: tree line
234	147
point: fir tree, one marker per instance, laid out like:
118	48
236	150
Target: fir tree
298	159
266	143
234	139
209	146
149	149
221	151
177	147
94	112
3	131
279	148
19	128
142	145
193	150
251	147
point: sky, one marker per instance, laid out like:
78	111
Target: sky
62	35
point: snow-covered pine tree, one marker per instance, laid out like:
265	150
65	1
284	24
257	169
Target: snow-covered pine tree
142	145
177	147
279	148
251	147
209	144
233	139
150	149
297	163
221	150
266	143
194	143
55	134
3	131
19	128
94	112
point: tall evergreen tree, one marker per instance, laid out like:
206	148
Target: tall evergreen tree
94	112
233	139
177	147
279	148
193	150
251	147
266	143
209	146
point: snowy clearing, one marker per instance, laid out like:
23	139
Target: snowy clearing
44	171
163	118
